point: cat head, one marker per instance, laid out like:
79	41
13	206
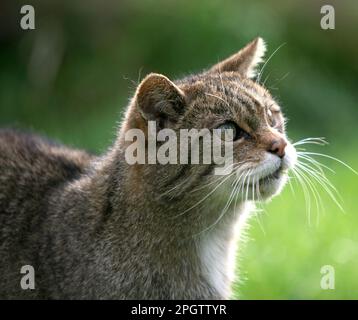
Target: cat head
226	97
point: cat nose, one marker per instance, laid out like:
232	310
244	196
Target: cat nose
278	147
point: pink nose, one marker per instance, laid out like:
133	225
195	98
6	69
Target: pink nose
278	147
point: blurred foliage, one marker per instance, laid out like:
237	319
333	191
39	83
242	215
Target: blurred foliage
71	79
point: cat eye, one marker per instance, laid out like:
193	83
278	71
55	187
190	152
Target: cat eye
273	122
271	118
237	132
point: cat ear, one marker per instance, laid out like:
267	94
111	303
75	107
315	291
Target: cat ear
245	61
158	98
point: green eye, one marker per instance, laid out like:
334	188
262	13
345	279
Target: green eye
228	126
237	132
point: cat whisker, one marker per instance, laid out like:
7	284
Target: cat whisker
289	178
281	79
306	194
215	178
332	158
310	174
320	174
315	193
222	82
247	189
256	184
311	140
234	192
267	61
267	77
216	96
314	162
324	182
237	193
171	190
206	196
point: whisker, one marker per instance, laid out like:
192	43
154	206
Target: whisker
310	174
227	205
311	140
332	158
267	61
326	184
281	79
267	77
289	178
234	165
319	174
305	193
316	195
215	96
205	197
314	162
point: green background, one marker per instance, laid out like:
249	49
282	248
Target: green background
72	76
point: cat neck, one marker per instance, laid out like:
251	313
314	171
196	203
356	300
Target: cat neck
131	219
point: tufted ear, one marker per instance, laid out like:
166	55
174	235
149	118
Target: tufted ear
245	61
159	99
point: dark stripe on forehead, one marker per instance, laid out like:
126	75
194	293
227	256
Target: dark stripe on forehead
253	122
252	104
246	100
255	102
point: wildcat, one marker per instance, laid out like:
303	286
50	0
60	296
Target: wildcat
95	227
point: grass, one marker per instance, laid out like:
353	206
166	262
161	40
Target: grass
285	253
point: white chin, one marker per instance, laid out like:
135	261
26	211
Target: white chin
266	188
272	186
